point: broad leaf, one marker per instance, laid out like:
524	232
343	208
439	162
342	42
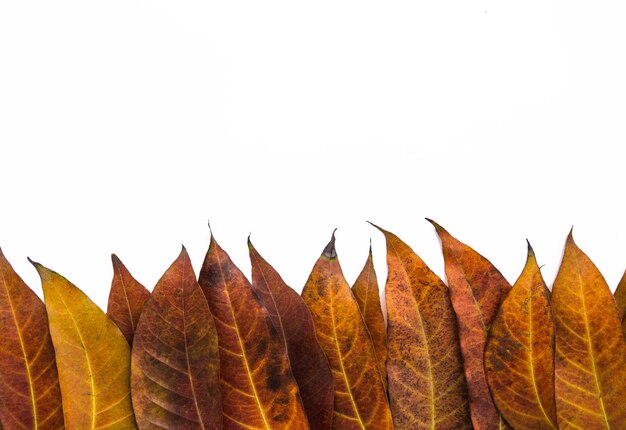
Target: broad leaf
175	364
30	397
519	357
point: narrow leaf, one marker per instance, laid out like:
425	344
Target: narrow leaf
367	295
30	396
294	325
427	387
92	356
476	289
519	357
360	400
258	388
590	366
175	363
126	299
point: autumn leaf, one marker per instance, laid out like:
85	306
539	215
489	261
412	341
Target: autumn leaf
258	388
92	356
30	397
175	363
360	400
620	300
126	299
427	387
365	290
519	357
590	366
476	289
294	325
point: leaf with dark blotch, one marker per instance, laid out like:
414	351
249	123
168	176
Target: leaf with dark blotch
620	300
519	357
258	388
30	397
360	399
293	322
590	365
126	299
175	363
427	387
476	289
92	356
365	290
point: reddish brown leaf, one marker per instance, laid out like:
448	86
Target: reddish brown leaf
590	366
293	322
360	400
427	387
126	299
365	290
476	288
175	363
30	397
620	300
519	357
258	388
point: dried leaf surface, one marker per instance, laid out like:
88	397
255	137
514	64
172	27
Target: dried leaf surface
126	299
360	400
519	357
620	300
175	363
590	366
427	387
367	295
92	356
294	325
30	397
258	388
476	288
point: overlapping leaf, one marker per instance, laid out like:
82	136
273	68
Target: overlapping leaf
620	300
294	325
126	299
427	387
360	400
476	288
365	290
30	397
92	355
175	363
519	357
258	388
590	366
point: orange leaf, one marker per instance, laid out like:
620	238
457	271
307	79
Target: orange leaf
365	290
175	364
476	288
590	364
519	357
126	299
427	387
293	322
620	300
360	400
258	389
30	396
92	356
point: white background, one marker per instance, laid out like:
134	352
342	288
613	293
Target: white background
126	125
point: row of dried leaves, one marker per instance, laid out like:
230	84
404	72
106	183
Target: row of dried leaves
220	352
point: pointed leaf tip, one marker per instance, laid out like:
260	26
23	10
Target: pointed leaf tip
330	250
531	252
437	226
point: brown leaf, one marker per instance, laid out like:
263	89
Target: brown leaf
293	322
360	400
175	363
92	356
258	389
476	288
427	387
365	290
126	299
590	366
30	396
620	300
519	357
